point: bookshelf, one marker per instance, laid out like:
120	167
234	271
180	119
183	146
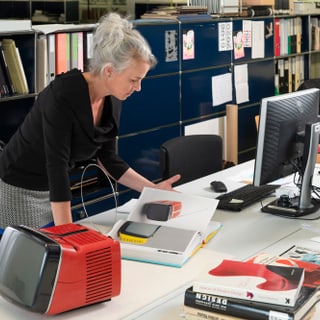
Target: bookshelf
15	107
177	93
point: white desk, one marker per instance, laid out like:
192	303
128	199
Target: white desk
156	292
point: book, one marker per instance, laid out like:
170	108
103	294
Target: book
307	300
23	74
171	242
252	281
15	66
4	89
198	314
5	69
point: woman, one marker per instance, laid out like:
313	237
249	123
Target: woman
75	118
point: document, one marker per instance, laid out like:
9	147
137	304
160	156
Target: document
221	89
171	241
258	41
241	83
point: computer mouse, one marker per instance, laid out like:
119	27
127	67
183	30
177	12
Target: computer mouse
218	186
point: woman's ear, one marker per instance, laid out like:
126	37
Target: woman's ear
108	71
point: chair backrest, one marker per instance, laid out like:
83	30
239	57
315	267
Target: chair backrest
1	145
191	156
310	83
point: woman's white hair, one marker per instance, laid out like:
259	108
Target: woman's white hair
117	43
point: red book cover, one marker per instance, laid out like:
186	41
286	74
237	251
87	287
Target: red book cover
252	281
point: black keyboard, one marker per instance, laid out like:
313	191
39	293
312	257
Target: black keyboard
242	197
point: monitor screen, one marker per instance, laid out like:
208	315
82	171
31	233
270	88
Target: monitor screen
282	139
27	258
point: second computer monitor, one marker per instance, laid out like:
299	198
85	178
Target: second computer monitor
282	123
287	143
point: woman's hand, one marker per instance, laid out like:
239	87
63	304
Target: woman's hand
167	184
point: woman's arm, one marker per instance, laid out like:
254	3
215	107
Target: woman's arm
135	181
61	212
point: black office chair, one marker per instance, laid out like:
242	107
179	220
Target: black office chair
191	156
1	145
310	83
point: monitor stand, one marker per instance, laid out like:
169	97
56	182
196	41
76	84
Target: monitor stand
304	203
289	207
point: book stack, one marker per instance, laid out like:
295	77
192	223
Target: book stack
249	290
13	78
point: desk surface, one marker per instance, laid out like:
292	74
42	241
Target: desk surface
156	292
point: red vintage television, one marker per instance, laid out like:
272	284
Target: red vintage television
56	269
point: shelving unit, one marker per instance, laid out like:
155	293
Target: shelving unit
14	108
51	11
175	94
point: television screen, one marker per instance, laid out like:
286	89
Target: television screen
26	259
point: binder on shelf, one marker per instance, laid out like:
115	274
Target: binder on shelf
315	34
42	63
293	73
298	32
74	53
80	51
76	50
51	44
15	66
284	31
288	72
277	37
87	49
62	50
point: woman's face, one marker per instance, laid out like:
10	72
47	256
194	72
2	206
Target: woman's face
123	84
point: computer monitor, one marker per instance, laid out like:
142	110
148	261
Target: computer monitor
288	139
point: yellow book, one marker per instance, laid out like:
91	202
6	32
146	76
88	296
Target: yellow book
15	66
